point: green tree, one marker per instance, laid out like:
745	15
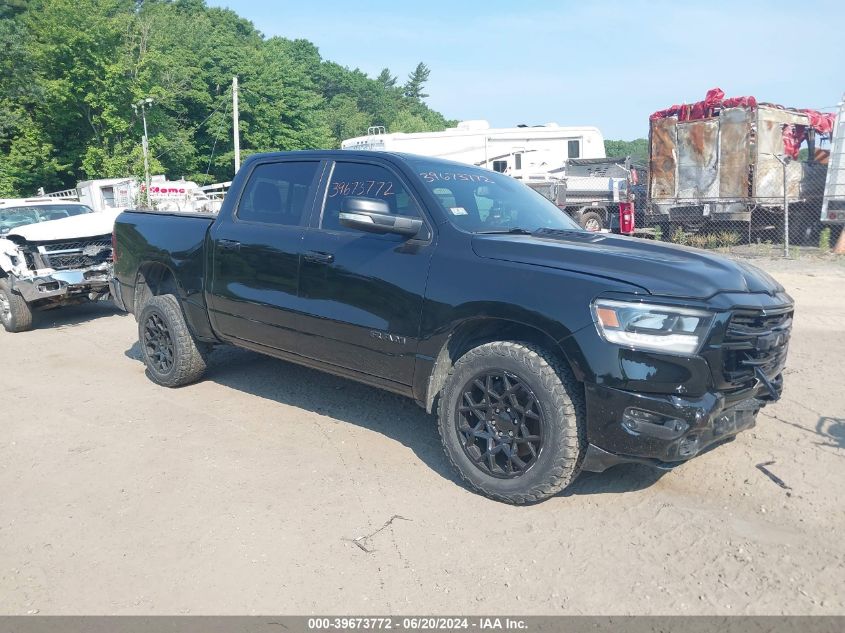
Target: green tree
416	81
386	79
29	164
636	149
71	69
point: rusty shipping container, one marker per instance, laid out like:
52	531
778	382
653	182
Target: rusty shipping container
724	166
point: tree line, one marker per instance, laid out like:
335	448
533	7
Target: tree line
71	69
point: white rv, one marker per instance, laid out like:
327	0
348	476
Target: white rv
542	156
518	152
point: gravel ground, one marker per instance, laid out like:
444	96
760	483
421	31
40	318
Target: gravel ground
269	488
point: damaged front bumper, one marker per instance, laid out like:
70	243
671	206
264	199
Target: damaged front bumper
92	281
665	431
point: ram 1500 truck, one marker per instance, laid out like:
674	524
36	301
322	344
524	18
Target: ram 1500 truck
543	349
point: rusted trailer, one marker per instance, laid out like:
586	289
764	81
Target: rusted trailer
723	159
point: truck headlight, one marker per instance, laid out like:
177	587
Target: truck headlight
652	327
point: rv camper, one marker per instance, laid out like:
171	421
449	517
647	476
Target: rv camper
516	151
539	155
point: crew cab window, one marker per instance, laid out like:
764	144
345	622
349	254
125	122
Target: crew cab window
277	193
364	181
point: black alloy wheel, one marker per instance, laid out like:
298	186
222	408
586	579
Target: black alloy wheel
158	343
172	355
500	424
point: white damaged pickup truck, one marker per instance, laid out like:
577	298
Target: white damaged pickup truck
52	253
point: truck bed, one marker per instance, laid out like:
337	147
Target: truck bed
192	214
173	240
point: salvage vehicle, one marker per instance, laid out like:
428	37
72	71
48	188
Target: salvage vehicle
543	349
737	161
53	253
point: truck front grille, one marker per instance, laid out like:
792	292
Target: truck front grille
755	340
76	254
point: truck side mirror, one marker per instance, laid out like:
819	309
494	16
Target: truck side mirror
374	216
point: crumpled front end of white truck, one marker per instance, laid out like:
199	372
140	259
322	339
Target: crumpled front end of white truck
59	262
51	273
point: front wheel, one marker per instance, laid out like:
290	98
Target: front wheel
172	356
511	419
15	313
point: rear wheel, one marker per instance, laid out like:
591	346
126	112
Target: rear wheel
592	221
511	421
172	356
15	313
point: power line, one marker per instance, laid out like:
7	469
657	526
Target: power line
201	123
214	146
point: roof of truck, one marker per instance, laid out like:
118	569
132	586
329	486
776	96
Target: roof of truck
351	153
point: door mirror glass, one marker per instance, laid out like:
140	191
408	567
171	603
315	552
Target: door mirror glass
373	216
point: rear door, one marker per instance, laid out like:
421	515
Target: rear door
255	255
362	292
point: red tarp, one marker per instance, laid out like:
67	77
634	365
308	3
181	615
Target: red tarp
703	109
793	135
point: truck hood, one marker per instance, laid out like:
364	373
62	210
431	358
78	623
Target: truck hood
74	227
655	267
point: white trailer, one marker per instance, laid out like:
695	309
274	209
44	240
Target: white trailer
518	151
833	200
166	195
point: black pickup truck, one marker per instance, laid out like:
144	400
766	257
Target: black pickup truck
544	349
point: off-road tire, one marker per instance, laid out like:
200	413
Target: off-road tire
189	357
593	216
19	316
562	401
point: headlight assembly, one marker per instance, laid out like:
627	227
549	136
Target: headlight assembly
652	327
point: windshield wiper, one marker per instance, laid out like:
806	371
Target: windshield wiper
514	231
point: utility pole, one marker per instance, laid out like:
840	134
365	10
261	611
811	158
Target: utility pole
235	123
145	143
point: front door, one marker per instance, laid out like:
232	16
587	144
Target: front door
255	253
363	292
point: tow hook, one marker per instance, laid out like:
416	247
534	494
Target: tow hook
772	391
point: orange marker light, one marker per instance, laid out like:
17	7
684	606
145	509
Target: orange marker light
607	316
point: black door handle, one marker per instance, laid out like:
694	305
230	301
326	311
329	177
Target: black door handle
319	257
228	245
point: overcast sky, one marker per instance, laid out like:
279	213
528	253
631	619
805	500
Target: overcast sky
608	64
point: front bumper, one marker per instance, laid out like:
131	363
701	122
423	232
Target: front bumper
62	283
672	429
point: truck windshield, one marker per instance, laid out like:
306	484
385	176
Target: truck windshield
13	217
481	201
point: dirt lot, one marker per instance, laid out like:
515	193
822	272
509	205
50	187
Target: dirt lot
245	493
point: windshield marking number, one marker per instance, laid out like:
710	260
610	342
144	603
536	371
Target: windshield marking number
368	188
